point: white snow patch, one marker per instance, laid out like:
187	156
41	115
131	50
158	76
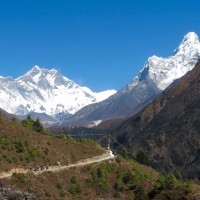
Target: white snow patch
104	95
42	90
94	123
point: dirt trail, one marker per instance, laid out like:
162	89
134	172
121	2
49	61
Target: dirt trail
57	168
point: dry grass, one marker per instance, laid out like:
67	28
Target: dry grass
49	149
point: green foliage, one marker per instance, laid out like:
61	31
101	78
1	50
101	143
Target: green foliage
33	154
20	147
49	143
28	122
35	125
131	179
65	137
178	175
140	193
21	178
123	152
188	188
87	141
74	180
99	176
168	181
58	185
75	188
119	159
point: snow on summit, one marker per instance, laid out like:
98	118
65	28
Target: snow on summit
46	91
163	71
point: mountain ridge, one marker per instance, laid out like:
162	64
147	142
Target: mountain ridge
46	91
156	74
167	129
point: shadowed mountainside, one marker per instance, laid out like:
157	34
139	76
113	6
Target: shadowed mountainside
168	129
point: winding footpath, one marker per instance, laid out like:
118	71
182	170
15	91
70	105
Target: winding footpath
56	168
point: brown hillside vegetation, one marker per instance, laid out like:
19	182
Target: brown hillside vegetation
118	179
22	147
168	129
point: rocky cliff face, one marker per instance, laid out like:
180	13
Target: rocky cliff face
11	193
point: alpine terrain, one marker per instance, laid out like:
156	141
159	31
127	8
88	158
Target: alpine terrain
36	165
43	92
167	130
153	78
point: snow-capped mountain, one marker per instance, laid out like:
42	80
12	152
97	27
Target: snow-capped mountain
46	91
163	71
153	78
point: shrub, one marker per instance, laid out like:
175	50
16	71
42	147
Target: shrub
58	186
119	159
49	143
140	194
75	189
37	126
167	182
21	178
131	179
74	180
188	188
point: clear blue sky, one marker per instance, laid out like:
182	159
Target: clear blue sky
101	44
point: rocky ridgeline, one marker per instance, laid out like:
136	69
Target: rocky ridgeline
11	193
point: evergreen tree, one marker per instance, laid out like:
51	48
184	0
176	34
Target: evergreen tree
37	126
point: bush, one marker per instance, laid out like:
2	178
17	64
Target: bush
49	143
167	182
75	188
140	194
131	179
119	159
37	126
21	178
188	188
74	180
58	186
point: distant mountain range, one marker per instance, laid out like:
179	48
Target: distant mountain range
48	95
154	77
168	129
42	92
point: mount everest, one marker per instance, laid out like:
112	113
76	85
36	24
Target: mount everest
153	78
46	91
